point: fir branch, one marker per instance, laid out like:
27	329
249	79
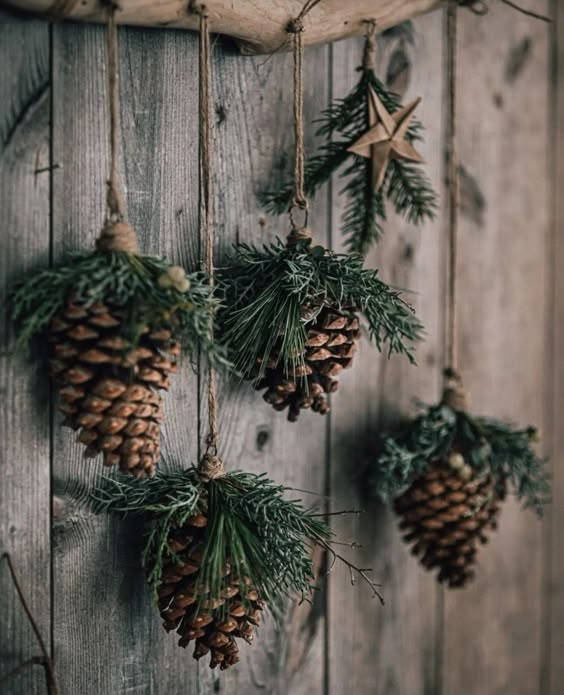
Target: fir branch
265	291
406	186
251	527
489	446
124	280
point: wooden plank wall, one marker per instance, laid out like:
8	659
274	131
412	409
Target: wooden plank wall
502	636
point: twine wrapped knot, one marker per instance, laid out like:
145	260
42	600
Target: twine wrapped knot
298	234
454	393
211	467
117	236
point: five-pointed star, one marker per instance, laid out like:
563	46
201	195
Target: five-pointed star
385	138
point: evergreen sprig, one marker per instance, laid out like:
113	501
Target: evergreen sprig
251	527
279	290
125	280
405	185
489	446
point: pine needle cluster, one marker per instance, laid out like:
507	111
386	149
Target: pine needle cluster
252	528
405	185
489	446
131	281
279	290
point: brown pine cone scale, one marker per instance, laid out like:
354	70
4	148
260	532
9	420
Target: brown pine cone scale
213	623
330	347
445	518
109	387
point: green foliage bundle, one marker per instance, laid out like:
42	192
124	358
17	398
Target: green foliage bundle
275	293
405	185
251	528
150	289
489	446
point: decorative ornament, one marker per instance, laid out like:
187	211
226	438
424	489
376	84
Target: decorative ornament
448	471
290	312
115	321
373	136
222	548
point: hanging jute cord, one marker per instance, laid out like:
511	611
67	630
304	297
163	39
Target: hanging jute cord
369	55
117	234
211	465
296	28
480	7
454	394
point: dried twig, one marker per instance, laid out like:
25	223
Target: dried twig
45	659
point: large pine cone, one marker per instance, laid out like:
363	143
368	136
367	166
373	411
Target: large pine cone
446	517
109	386
330	347
187	608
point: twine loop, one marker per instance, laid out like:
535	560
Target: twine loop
117	236
299	234
211	467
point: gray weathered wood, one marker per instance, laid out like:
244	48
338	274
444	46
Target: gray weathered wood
390	649
253	100
553	593
258	26
493	629
107	632
24	424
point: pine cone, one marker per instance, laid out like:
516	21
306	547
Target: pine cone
109	386
214	624
330	347
446	517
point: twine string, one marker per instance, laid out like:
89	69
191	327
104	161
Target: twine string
369	55
296	29
210	465
454	394
115	202
479	7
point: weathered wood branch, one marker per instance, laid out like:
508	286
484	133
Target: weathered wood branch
258	26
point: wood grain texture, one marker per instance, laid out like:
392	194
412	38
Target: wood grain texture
493	629
258	26
107	632
253	146
388	650
553	675
24	455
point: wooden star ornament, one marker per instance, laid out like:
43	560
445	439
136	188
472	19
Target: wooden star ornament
385	139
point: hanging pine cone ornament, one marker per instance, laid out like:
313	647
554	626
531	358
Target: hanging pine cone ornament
291	319
447	473
222	549
114	322
371	138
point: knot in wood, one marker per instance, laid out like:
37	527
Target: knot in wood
211	467
117	236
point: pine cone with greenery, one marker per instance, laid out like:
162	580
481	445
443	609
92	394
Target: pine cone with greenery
290	319
214	624
115	322
221	549
448	472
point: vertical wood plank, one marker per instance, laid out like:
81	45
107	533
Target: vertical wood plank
24	425
372	649
107	631
253	150
554	562
493	629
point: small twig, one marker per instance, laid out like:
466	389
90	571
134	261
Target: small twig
343	512
524	11
361	571
44	660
